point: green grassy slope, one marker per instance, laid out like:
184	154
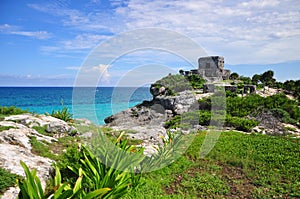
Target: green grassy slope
239	166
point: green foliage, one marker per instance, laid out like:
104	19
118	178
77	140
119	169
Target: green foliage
231	94
7	180
173	84
120	178
245	80
178	83
195	81
63	114
204	118
241	124
30	187
267	78
12	110
70	158
242	107
188	119
292	87
234	76
173	146
4	128
256	79
238	108
41	129
41	148
283	115
239	166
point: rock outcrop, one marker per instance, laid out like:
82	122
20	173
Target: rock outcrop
147	119
15	145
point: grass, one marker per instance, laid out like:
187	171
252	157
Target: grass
240	165
42	130
53	150
7	179
4	128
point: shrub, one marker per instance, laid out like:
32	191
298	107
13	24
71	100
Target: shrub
196	81
12	110
63	114
120	178
188	119
7	180
31	187
241	124
283	116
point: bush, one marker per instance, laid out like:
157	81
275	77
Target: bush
63	114
12	110
187	120
97	174
195	81
7	180
283	116
241	124
178	83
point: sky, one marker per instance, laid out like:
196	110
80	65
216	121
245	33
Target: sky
49	42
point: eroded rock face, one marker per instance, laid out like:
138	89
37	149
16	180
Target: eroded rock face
53	125
10	157
147	119
15	145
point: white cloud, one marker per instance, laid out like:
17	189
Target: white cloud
103	70
239	30
250	26
82	43
15	30
88	22
34	34
72	67
93	75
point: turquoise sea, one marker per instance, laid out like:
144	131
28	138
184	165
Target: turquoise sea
94	104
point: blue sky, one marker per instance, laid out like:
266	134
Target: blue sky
45	42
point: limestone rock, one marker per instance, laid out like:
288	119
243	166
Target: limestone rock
147	119
15	137
10	157
15	145
19	133
53	124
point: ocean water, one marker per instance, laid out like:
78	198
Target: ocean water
94	104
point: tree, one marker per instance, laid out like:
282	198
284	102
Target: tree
181	72
246	80
267	78
256	78
234	76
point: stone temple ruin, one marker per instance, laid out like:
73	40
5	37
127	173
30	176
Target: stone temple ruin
211	69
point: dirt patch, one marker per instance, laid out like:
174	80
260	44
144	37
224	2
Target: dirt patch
174	187
240	185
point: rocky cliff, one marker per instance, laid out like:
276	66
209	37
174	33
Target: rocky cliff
146	120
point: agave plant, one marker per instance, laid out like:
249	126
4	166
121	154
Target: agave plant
63	114
31	188
101	169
